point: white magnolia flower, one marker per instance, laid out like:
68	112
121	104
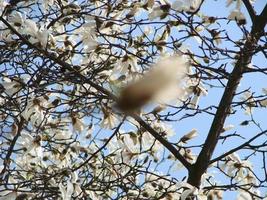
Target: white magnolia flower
188	155
87	34
17	19
187	6
242	195
156	12
31	144
263	103
34	111
9	195
163	128
195	88
66	192
3	4
30	27
238	16
11	86
238	3
250	102
187	190
77	123
109	120
47	3
228	127
125	65
238	169
61	135
150	3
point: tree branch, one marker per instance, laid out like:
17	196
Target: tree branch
102	147
67	66
162	140
250	10
246	53
237	148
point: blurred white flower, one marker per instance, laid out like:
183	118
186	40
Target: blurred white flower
238	169
87	34
60	134
47	3
161	84
263	102
192	134
17	19
238	16
188	155
155	13
163	128
125	65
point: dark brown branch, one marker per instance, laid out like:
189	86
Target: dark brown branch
246	53
237	148
250	10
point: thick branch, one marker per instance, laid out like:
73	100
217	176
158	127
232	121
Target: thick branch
250	10
246	53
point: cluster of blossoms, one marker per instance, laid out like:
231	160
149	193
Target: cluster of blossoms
69	75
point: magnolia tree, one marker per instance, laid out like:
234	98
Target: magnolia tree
133	99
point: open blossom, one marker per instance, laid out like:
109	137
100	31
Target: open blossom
240	170
250	102
228	127
159	11
34	111
77	123
72	187
3	4
31	145
195	88
238	3
109	120
11	86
